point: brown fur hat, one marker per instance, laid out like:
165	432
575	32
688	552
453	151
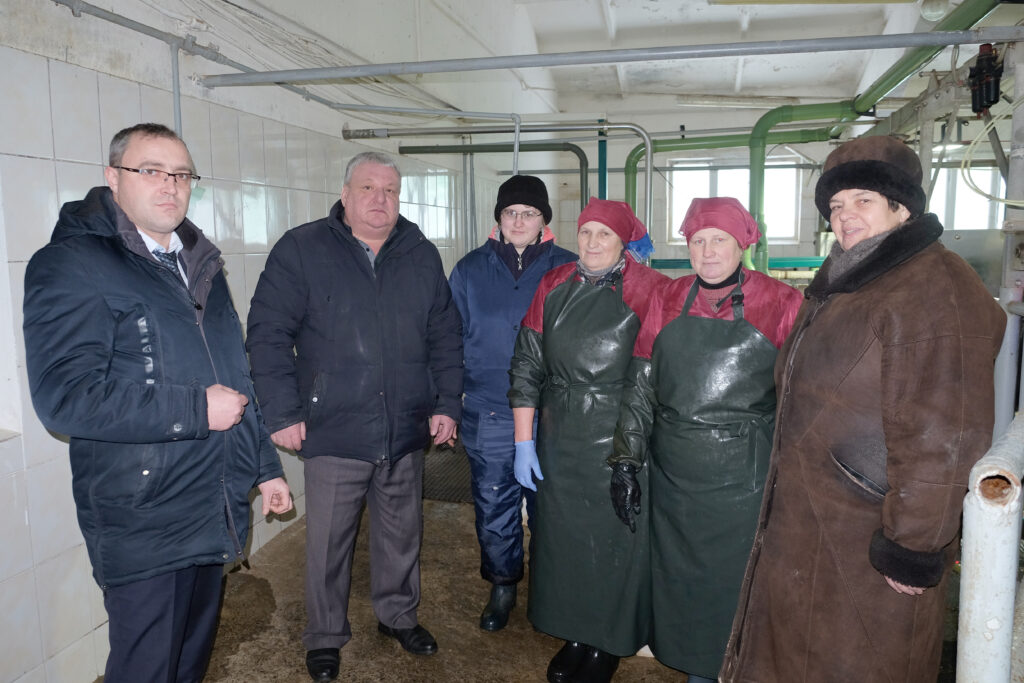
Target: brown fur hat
879	163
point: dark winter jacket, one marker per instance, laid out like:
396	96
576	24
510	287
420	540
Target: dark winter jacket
492	304
885	403
364	355
119	355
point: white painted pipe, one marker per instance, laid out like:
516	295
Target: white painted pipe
992	523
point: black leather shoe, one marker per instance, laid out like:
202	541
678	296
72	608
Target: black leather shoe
322	664
565	662
416	640
495	616
597	667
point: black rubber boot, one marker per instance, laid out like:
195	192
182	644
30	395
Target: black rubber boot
566	661
495	615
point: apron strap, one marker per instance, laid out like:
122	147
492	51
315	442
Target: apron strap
736	295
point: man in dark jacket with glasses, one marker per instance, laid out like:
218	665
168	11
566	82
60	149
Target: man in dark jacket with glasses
135	351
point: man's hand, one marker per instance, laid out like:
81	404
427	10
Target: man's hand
276	496
290	437
902	588
224	407
443	429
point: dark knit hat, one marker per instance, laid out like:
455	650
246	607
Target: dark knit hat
523	189
879	163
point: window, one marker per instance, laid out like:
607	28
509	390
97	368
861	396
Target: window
427	200
781	192
961	208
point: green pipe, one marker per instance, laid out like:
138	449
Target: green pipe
713	142
962	18
757	256
494	147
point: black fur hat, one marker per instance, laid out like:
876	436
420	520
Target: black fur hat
879	163
523	189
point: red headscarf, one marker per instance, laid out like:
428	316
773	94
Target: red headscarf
616	215
724	213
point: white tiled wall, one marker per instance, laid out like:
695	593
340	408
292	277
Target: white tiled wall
260	177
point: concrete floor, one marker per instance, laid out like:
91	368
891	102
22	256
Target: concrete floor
259	638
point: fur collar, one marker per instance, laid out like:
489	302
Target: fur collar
901	244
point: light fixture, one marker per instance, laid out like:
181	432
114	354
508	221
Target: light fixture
735	101
933	10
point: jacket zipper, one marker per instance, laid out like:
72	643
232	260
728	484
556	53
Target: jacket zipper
197	309
385	457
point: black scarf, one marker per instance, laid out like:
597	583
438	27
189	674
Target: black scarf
869	259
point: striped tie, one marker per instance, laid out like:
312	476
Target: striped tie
169	259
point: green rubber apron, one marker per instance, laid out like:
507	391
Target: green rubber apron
712	435
589	576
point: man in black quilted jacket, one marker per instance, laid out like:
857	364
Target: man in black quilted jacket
356	351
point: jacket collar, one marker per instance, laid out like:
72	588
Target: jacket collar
901	244
403	237
98	214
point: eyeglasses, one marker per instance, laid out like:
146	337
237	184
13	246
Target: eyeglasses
155	175
525	215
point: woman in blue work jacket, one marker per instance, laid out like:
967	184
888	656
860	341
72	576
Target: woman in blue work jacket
492	287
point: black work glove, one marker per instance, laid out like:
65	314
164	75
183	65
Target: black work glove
625	491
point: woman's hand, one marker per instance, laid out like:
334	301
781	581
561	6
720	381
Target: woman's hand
625	490
526	464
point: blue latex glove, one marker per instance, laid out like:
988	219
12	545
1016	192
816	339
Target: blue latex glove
526	463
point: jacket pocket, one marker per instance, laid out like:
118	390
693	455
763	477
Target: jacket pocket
150	474
857	479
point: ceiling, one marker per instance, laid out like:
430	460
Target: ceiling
581	25
702	93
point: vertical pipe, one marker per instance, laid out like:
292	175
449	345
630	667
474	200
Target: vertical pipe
515	144
1012	286
602	165
987	588
1007	364
926	144
988	576
472	204
176	86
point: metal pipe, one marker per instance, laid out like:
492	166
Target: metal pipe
602	165
709	142
530	128
967	14
515	145
1006	371
189	46
758	157
988	577
488	148
768	47
997	147
176	86
1011	288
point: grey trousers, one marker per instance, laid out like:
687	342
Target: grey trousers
335	491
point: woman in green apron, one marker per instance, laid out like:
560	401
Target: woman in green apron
699	409
589	575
